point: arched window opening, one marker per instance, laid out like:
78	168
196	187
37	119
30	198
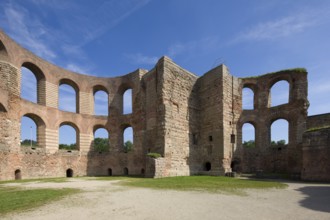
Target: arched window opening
3	52
279	133
279	94
127	102
18	174
69	173
128	139
109	172
126	171
248	135
28	85
2	108
28	132
101	103
68	136
247	99
33	83
207	166
101	140
68	98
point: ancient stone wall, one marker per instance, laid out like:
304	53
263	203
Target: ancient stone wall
318	121
264	157
316	155
194	123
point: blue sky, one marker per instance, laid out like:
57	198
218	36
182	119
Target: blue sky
112	38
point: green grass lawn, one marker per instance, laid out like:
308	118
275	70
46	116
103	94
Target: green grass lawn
204	183
45	180
16	199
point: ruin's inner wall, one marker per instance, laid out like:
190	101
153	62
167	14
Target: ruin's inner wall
194	123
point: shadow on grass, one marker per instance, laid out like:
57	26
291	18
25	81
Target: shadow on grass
318	198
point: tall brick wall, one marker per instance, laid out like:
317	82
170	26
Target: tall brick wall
177	86
316	155
194	123
318	121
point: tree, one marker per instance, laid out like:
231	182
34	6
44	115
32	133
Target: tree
68	147
249	144
27	142
279	143
101	144
128	146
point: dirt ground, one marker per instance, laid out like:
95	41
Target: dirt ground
108	200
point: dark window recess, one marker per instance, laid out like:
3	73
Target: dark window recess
210	138
207	166
195	139
232	138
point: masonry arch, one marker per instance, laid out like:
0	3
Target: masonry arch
33	83
101	100
2	108
68	94
125	98
248	97
69	172
69	136
279	132
248	135
128	138
279	92
18	174
3	52
33	131
126	171
128	101
101	142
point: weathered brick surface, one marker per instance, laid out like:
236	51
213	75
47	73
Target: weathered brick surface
195	123
316	155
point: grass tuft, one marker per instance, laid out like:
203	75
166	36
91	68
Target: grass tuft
16	199
205	183
44	180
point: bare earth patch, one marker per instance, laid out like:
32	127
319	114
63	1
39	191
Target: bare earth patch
109	200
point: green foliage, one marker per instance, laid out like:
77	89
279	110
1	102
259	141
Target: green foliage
128	146
153	155
204	183
249	144
27	142
280	143
317	128
15	199
101	144
44	180
68	147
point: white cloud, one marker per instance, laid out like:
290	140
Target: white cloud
139	58
201	45
174	50
27	31
284	27
78	69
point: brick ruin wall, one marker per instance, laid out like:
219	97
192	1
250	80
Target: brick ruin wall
194	123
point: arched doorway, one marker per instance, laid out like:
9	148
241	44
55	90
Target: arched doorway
18	174
69	173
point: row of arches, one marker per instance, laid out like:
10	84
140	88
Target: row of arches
279	134
32	79
32	130
278	95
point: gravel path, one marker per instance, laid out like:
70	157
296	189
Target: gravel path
108	200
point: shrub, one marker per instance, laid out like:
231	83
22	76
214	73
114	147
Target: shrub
154	155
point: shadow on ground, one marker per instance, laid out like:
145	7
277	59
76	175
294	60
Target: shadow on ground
317	198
